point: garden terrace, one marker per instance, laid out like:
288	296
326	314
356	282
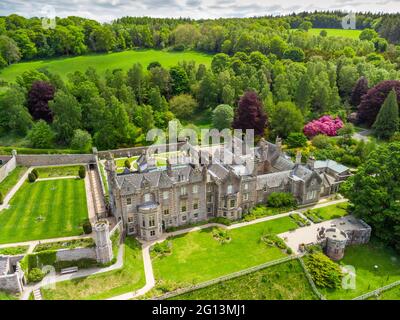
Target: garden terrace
285	281
105	285
43	210
196	256
327	213
71	244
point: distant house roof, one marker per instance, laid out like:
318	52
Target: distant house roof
331	164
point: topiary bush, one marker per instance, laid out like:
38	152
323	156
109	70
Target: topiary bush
1	198
82	172
127	164
87	227
35	172
35	275
31	177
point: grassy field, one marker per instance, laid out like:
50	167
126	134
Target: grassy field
7	296
285	281
364	258
44	209
13	251
62	171
197	256
102	62
9	182
392	294
353	34
102	286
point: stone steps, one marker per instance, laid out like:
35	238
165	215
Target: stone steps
37	294
99	204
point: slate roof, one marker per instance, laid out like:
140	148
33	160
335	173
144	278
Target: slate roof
218	171
331	164
283	164
273	180
301	172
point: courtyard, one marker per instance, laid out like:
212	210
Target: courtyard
43	210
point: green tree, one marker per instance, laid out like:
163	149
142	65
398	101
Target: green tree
222	116
67	115
180	80
82	140
41	135
183	106
285	119
387	121
303	93
9	50
374	192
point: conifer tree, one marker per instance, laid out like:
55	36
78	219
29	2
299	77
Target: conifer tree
387	121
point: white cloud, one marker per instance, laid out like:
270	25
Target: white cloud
106	10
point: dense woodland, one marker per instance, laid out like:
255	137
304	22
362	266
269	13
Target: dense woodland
267	73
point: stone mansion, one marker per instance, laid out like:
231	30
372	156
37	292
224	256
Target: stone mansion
151	199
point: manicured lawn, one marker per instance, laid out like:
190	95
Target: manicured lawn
9	182
58	171
364	258
102	286
44	209
197	256
102	62
13	251
353	34
285	281
329	212
7	296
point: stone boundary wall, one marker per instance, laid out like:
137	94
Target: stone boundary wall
76	254
118	226
378	291
310	280
224	278
54	159
135	151
8	167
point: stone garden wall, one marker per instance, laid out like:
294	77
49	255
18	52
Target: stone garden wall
131	152
11	283
76	254
54	159
9	165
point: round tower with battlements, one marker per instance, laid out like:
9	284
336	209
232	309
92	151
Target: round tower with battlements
336	241
104	252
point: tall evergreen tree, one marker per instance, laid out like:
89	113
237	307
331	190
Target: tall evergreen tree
387	121
303	93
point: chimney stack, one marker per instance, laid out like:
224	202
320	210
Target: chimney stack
298	157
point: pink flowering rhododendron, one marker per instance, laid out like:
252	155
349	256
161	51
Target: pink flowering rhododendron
324	125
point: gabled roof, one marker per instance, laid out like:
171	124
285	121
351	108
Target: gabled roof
301	172
273	180
331	164
283	164
218	171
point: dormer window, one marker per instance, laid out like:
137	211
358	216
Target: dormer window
147	197
229	189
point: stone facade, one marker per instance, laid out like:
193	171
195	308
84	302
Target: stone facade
104	252
11	275
152	199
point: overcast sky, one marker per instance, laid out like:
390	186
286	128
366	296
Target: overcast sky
107	10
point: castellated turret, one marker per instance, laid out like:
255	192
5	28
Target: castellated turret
104	250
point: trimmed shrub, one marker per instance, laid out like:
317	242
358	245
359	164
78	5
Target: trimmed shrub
127	164
82	172
1	198
163	248
31	177
35	275
87	227
36	173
